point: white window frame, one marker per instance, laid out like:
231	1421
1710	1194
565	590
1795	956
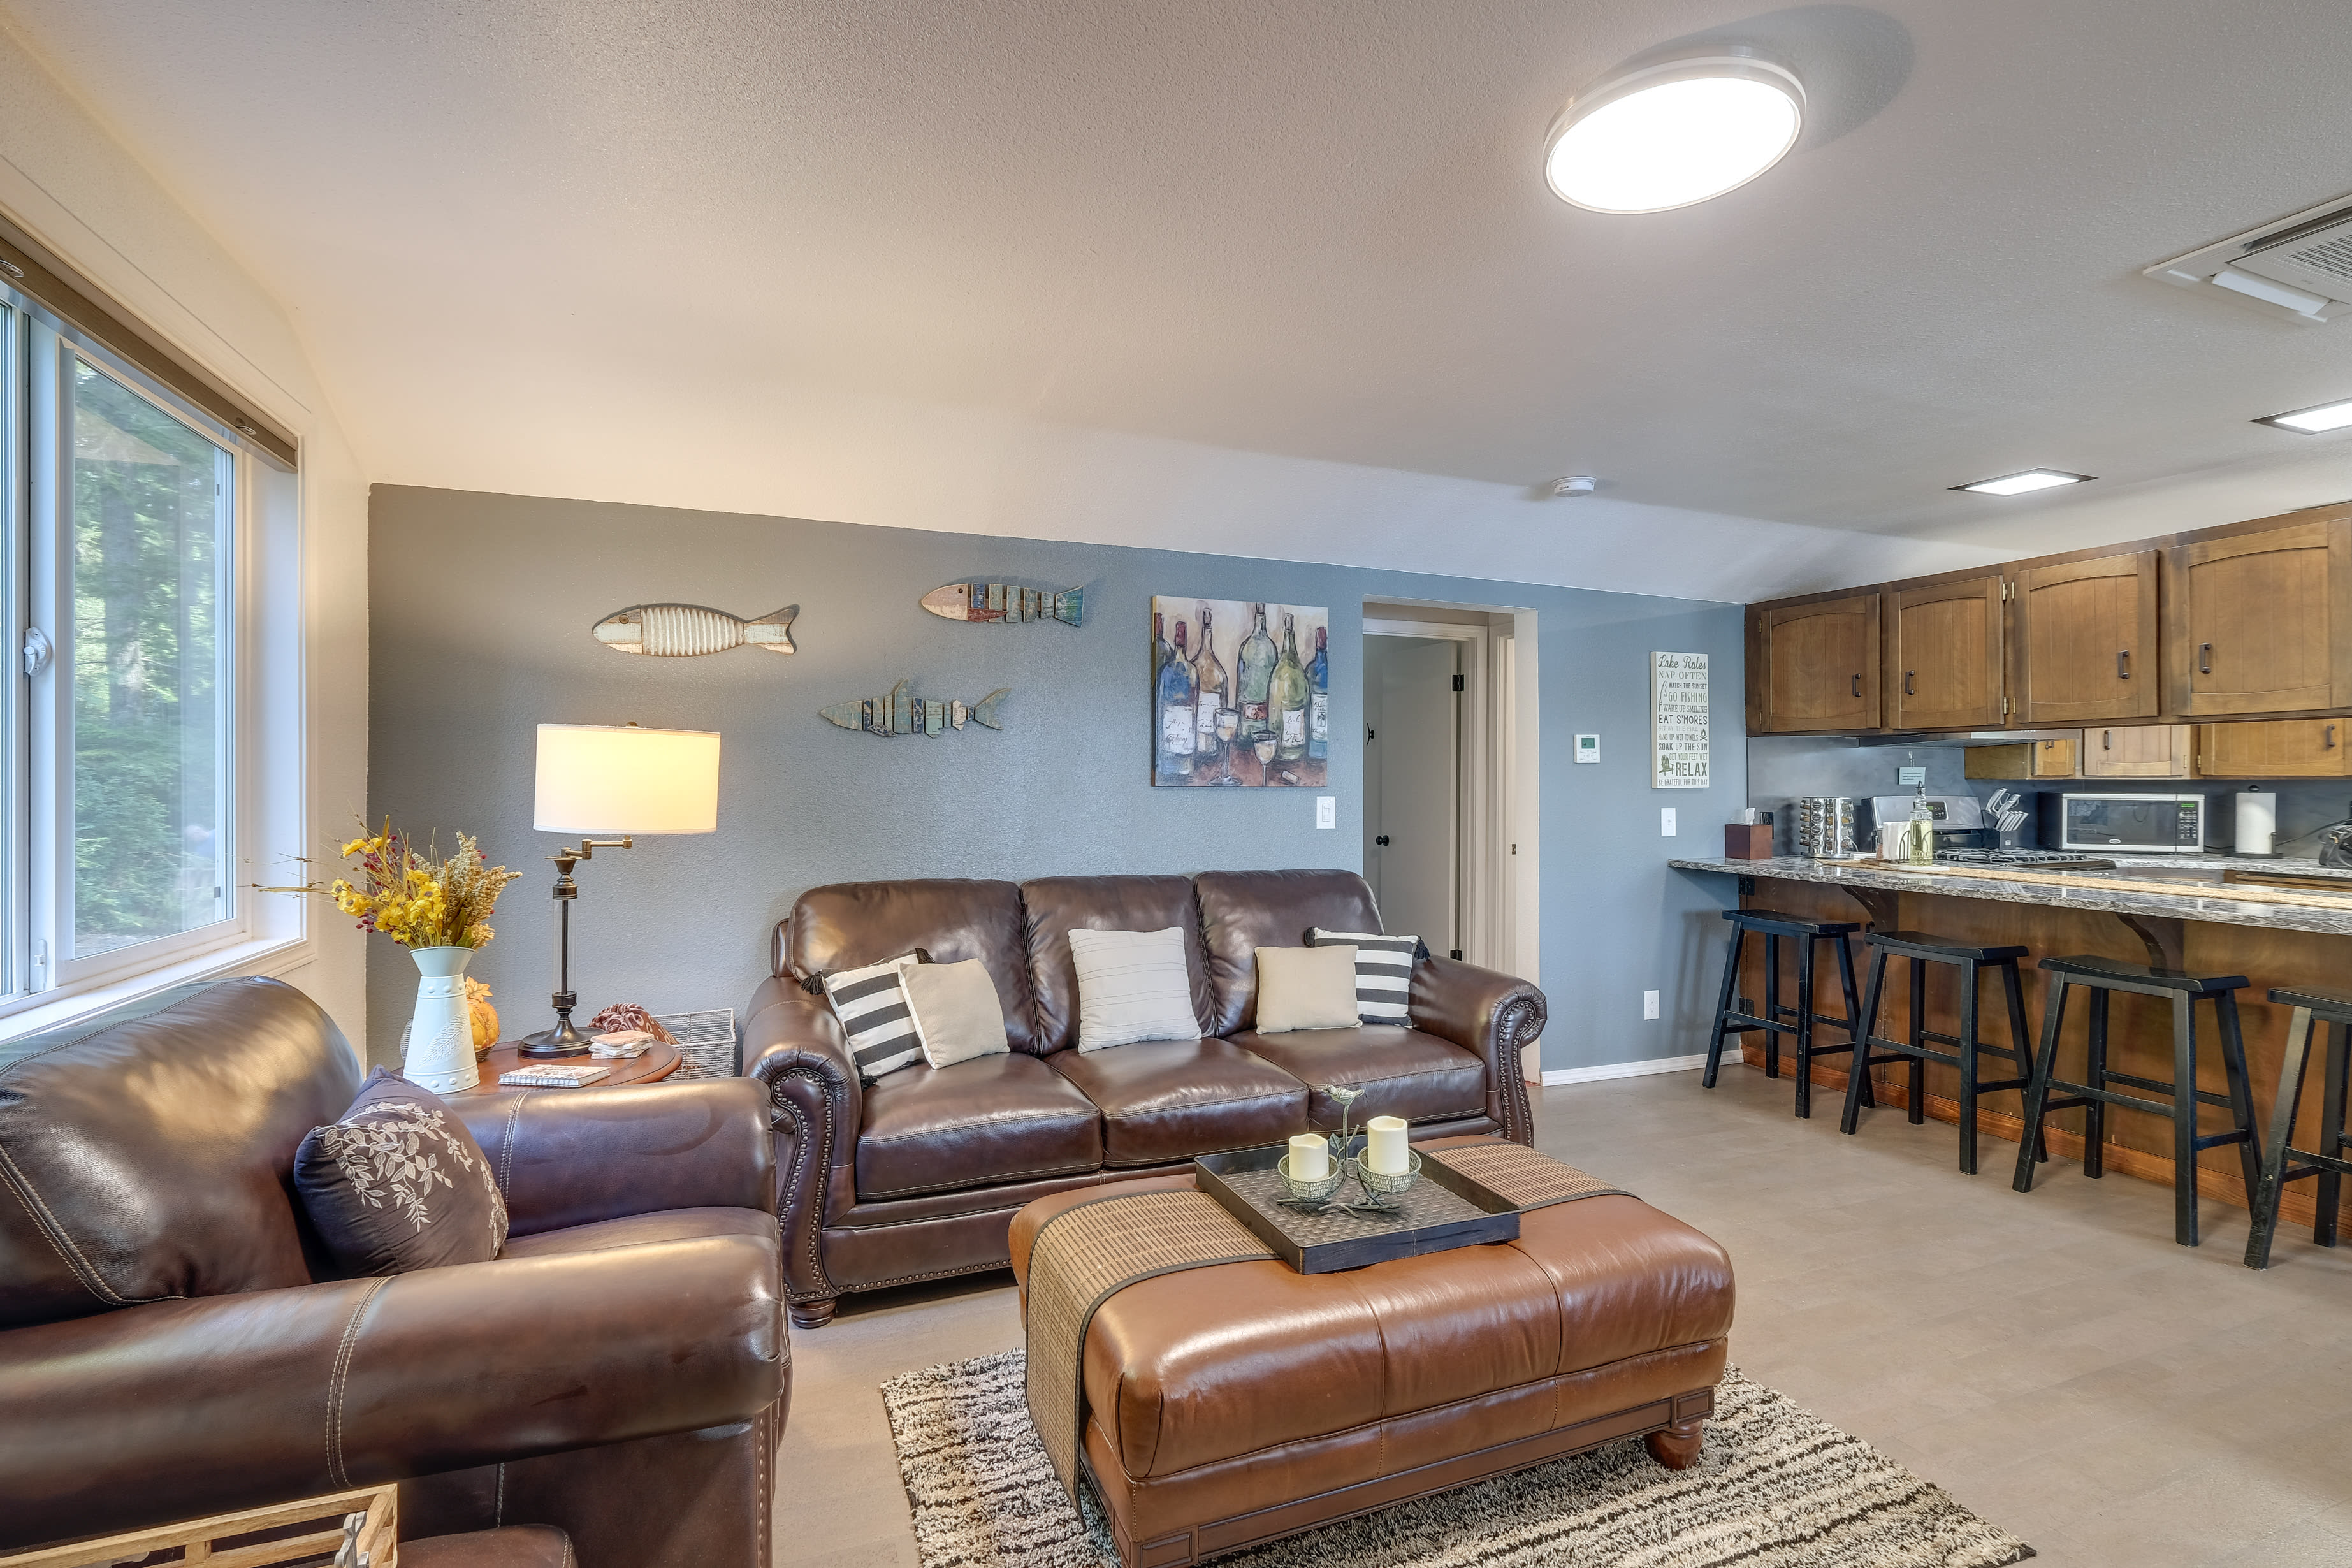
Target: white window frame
265	787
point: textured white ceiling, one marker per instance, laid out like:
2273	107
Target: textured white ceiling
1095	269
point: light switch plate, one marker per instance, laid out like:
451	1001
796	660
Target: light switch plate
1327	811
1649	1003
1910	778
1588	748
1665	822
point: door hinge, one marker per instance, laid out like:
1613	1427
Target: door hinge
1747	887
1453	951
1457	685
2004	707
2008	590
1381	840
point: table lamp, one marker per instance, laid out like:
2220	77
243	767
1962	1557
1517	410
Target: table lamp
612	779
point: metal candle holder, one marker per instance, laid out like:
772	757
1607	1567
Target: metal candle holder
1381	1186
1312	1195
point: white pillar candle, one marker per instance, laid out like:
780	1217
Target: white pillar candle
1384	1151
1311	1157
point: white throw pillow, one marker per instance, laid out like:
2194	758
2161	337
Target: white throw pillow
1132	985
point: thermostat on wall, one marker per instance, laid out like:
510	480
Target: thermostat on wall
1588	748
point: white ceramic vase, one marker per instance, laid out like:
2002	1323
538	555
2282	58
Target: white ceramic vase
440	1034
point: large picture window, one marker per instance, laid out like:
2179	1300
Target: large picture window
124	509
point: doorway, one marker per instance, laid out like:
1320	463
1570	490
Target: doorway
1450	781
1413	785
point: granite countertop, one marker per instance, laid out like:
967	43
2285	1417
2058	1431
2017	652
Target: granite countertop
2209	902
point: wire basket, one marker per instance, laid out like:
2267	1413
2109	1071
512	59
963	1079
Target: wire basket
1382	1185
1317	1193
706	1042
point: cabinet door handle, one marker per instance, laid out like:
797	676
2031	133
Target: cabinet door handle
2204	658
2106	739
2329	743
2123	664
1908	690
1857	686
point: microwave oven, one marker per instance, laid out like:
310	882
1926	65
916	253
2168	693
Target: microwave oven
2136	823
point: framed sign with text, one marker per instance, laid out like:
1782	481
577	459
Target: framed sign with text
1678	720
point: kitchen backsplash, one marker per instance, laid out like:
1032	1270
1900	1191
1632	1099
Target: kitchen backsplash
1782	768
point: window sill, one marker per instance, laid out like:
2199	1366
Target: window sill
262	955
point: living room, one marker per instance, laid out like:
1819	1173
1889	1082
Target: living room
1243	715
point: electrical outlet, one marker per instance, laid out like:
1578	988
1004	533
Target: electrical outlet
1649	1003
1327	811
1665	822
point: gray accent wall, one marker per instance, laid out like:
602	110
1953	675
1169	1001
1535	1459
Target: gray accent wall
480	610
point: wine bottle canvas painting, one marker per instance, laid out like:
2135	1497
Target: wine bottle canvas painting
1241	692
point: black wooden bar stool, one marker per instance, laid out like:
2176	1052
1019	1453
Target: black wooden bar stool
2101	976
2326	1161
1772	926
1971	960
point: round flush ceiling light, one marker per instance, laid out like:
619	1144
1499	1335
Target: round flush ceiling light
1672	133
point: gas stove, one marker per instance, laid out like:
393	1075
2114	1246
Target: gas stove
2052	859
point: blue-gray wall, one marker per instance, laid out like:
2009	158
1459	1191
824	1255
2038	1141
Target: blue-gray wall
480	607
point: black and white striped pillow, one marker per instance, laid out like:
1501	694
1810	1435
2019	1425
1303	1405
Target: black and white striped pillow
1384	971
871	1006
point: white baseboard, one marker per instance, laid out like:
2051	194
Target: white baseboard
1556	1076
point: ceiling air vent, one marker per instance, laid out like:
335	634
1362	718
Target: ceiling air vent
2299	267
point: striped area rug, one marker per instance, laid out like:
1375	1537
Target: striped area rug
1776	1486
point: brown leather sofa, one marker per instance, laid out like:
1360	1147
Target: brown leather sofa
917	1175
172	1345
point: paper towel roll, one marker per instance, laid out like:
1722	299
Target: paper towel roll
2257	825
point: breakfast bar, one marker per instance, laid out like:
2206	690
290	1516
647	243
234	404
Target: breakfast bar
2179	913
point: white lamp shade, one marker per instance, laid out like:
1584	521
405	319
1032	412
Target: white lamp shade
608	778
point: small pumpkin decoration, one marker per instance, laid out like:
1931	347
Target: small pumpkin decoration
482	1015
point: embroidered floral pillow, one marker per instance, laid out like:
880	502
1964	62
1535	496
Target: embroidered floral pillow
398	1184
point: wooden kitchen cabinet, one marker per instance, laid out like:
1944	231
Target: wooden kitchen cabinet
2137	752
1944	657
2274	749
2025	759
2086	640
1812	666
2260	622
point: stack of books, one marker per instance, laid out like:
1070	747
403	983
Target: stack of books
553	1075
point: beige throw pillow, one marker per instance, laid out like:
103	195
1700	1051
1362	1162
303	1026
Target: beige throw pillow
1305	988
956	1011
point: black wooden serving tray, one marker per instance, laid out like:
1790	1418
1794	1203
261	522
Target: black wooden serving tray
1445	1209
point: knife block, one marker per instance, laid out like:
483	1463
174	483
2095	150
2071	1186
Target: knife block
1748	841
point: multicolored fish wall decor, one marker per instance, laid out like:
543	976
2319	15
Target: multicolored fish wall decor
688	631
899	714
1001	602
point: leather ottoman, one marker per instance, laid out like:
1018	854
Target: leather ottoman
1228	1404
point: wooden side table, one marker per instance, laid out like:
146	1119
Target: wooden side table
657	1063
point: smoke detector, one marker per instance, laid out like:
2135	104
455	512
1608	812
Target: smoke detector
2298	269
1574	485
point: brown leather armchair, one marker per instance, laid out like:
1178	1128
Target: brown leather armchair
918	1174
171	1344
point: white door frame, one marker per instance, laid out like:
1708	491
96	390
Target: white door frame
1482	922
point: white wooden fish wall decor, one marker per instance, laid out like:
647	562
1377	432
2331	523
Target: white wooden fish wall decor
1004	605
689	631
896	713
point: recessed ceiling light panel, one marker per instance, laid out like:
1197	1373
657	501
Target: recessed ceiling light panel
1674	133
2025	484
2314	421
